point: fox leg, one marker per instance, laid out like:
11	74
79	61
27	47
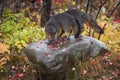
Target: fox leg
77	28
61	33
68	34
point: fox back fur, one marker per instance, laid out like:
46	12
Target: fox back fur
60	23
83	18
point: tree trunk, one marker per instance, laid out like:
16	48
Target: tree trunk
45	14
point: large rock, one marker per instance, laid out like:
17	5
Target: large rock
54	63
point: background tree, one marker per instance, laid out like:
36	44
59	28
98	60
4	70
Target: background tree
45	12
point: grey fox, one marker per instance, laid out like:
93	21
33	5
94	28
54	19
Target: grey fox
83	18
60	23
70	21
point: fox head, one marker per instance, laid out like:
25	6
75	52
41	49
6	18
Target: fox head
50	31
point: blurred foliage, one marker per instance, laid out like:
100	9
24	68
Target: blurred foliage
112	31
98	68
17	30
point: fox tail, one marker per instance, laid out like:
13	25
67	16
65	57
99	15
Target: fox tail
93	24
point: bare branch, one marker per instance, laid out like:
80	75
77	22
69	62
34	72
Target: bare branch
109	15
99	12
89	33
100	8
90	7
87	6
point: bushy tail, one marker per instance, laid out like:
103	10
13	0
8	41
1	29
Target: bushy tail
93	24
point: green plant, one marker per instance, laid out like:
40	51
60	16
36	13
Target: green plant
17	30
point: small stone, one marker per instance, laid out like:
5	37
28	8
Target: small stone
73	69
49	55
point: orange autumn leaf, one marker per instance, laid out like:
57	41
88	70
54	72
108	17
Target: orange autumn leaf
3	48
